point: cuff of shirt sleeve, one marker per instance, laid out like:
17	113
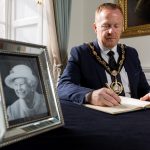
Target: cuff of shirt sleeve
88	97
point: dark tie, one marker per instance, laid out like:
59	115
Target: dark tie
111	61
113	65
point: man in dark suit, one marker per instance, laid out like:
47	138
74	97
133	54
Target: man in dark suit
91	69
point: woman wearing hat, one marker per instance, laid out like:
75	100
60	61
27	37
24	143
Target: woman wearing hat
30	102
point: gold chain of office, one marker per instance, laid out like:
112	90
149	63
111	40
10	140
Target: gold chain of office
105	64
116	86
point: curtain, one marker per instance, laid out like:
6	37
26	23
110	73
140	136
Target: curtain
62	9
58	16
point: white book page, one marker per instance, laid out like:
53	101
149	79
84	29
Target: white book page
133	101
127	104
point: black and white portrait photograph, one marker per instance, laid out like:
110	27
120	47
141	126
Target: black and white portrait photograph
23	89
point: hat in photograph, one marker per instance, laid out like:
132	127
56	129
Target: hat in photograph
19	71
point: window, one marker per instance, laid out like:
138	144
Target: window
2	19
21	20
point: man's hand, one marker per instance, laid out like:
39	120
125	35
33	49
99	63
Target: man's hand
146	97
104	97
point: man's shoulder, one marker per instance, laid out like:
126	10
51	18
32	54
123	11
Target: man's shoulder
81	47
82	50
129	49
130	52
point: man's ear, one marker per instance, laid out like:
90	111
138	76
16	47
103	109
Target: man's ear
95	27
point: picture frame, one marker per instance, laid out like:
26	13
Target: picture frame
29	104
136	17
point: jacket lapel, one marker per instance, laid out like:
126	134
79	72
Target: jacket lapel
130	73
100	70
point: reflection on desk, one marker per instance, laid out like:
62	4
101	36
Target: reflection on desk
88	129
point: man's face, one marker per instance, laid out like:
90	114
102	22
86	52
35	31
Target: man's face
108	27
21	87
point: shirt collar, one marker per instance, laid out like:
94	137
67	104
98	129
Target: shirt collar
105	50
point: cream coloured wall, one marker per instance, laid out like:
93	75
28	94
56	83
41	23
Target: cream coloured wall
82	18
76	24
142	44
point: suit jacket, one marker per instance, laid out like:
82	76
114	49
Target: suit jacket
84	73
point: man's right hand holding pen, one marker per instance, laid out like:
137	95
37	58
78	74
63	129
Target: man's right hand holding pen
104	97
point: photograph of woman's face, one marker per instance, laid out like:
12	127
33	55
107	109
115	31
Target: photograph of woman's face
22	88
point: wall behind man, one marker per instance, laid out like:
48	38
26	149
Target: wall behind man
82	18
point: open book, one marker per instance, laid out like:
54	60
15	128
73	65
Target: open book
126	105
